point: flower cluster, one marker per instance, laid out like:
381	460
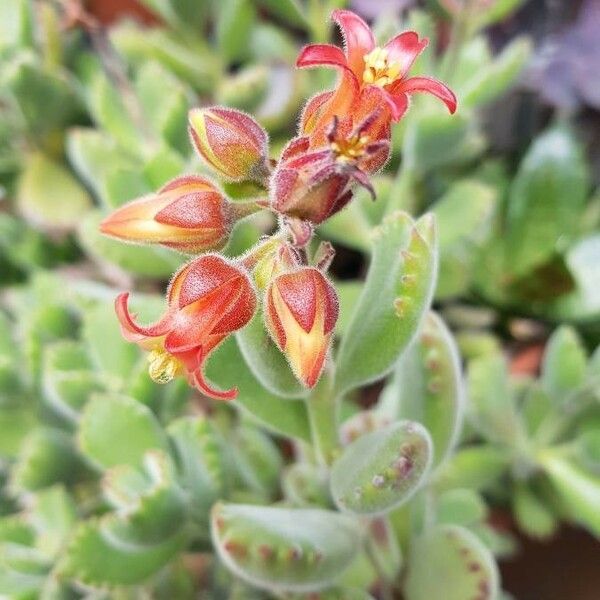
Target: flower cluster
343	139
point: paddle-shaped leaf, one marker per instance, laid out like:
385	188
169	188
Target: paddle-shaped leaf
564	365
427	386
201	464
381	470
227	368
129	545
449	562
117	430
396	294
285	549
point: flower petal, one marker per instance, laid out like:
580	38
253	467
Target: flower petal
204	386
398	103
312	111
404	49
134	332
430	86
196	322
317	55
358	39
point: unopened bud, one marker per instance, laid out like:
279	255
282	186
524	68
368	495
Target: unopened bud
300	313
188	214
231	142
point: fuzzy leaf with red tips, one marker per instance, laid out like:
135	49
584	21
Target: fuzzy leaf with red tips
395	298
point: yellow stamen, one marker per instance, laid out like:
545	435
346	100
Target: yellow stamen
350	149
163	366
378	69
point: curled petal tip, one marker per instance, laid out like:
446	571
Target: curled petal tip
321	55
202	385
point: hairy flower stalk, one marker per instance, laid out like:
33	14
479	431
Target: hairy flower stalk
343	139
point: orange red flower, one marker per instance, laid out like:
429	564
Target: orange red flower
366	66
207	300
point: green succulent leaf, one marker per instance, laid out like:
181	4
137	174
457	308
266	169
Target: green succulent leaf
434	140
289	11
284	549
578	489
190	59
47	456
97	159
53	515
463	226
427	386
496	79
234	26
588	448
15	23
96	556
246	88
449	562
108	350
68	379
110	420
227	368
564	365
166	114
146	531
546	200
384	548
49	197
473	467
269	365
493	409
257	459
532	516
46	98
201	463
582	304
396	295
152	505
305	485
461	507
381	470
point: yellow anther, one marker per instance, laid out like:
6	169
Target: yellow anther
163	366
350	149
378	69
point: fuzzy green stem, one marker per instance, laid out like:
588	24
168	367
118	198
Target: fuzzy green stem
241	210
322	408
387	586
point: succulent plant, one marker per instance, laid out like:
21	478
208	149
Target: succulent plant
230	449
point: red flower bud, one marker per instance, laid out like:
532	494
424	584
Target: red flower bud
188	214
315	184
231	142
208	299
301	310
